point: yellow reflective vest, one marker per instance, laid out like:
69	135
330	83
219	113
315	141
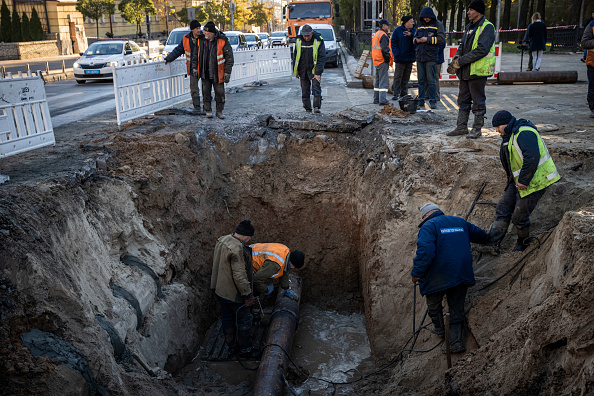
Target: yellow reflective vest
486	65
546	173
276	252
316	45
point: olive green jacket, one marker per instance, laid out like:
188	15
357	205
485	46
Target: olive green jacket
232	269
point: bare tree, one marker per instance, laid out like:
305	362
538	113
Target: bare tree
540	8
505	20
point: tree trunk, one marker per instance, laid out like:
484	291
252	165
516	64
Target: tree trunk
459	26
493	11
97	27
506	15
523	17
574	17
540	8
452	20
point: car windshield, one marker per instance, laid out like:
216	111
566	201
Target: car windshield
233	40
278	34
176	37
104	49
326	34
263	36
310	10
250	37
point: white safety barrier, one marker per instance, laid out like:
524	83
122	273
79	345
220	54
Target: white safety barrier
25	122
448	55
256	64
141	88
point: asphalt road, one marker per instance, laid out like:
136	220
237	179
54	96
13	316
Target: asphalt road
37	64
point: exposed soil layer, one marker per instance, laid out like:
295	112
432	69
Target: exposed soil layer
164	189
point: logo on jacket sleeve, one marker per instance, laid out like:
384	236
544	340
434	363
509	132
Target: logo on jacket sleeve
451	230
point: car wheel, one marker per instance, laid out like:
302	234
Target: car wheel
81	81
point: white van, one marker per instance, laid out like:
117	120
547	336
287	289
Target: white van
175	37
236	40
330	42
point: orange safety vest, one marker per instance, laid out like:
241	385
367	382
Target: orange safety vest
188	49
276	252
376	49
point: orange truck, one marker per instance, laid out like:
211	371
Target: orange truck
298	13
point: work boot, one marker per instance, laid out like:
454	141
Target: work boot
433	104
497	232
220	107
317	104
461	124
438	327
197	110
307	105
457	338
591	104
230	341
208	109
523	236
477	125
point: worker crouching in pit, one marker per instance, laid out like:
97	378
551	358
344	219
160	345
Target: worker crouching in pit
443	266
232	284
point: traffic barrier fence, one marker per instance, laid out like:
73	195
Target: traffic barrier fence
448	56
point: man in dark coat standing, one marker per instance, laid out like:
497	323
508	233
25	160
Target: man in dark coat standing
216	64
473	63
308	65
537	35
443	266
403	52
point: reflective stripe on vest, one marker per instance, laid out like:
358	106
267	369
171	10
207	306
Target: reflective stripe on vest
376	49
188	50
276	252
546	173
316	45
221	60
486	65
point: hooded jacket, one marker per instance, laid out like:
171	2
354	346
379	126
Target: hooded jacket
306	62
443	258
211	48
467	55
528	142
427	52
403	49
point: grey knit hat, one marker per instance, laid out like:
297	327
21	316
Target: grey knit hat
428	207
306	30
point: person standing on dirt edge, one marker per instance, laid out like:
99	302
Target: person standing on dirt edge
443	266
588	45
190	46
530	170
403	51
232	284
430	35
216	64
382	60
473	63
309	59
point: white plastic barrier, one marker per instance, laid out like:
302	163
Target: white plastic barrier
256	64
25	122
448	55
143	88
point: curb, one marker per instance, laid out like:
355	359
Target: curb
53	77
351	81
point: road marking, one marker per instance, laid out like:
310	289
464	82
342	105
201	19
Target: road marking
451	102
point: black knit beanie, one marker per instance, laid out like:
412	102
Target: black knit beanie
478	6
210	27
194	24
245	228
406	18
502	117
297	258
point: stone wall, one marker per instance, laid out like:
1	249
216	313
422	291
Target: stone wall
28	50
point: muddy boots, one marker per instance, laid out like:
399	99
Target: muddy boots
208	109
197	110
230	341
497	232
477	125
591	104
523	236
461	124
457	338
220	107
317	104
438	327
307	105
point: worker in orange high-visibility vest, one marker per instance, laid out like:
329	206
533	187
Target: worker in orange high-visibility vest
274	261
382	60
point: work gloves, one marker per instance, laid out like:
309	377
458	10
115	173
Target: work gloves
291	294
454	66
227	77
269	289
166	61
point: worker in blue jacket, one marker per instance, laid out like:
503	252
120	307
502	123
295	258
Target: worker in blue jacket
403	52
443	266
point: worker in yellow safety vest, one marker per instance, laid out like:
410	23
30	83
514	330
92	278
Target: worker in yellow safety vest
382	60
473	63
530	170
309	60
274	261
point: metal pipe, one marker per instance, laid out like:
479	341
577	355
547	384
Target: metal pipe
547	77
275	359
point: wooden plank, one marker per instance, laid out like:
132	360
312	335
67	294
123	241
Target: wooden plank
361	64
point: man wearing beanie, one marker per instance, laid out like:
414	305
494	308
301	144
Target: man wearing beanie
529	169
309	59
382	60
473	63
274	261
190	45
403	51
232	284
443	266
216	64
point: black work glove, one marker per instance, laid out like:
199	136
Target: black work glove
227	78
166	61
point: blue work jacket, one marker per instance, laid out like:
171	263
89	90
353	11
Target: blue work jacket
403	49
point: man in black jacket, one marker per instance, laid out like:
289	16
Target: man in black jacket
309	59
190	45
430	35
473	63
216	64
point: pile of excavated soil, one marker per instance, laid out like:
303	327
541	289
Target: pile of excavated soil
163	189
392	111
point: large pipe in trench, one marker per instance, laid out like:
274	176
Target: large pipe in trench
274	362
547	77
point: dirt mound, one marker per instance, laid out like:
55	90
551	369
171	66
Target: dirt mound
392	111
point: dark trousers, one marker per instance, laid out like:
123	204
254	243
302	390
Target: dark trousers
437	75
456	296
590	83
426	74
471	95
219	90
236	317
401	77
512	207
309	85
195	90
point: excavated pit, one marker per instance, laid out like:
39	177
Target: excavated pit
115	259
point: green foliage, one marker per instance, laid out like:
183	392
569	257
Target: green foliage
259	14
201	15
217	13
25	28
134	11
95	9
5	23
15	34
182	16
35	28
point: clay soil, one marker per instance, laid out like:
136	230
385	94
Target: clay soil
165	187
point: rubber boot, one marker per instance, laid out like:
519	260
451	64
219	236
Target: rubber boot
461	124
307	105
317	104
220	107
591	104
208	109
457	338
197	110
522	243
438	326
497	232
230	341
477	125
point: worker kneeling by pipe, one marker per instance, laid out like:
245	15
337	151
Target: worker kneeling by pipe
274	261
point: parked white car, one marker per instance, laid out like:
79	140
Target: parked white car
95	63
175	37
236	39
265	39
279	38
